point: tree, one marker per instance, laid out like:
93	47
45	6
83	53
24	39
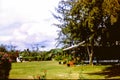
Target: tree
3	48
90	20
65	18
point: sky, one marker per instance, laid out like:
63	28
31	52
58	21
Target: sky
24	23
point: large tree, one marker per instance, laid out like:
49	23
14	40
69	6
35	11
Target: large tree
91	20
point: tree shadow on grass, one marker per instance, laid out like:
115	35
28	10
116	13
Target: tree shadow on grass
109	72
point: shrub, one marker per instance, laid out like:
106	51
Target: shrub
5	65
29	58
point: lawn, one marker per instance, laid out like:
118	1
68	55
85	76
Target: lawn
53	70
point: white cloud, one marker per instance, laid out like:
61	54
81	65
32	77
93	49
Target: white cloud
26	10
4	38
27	21
32	30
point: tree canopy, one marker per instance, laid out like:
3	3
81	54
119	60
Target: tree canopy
96	21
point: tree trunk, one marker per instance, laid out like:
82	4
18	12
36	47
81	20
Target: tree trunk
90	53
91	56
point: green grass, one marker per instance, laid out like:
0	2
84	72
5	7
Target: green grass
30	70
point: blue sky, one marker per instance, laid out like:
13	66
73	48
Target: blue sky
27	22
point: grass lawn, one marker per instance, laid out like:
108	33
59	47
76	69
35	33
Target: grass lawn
32	70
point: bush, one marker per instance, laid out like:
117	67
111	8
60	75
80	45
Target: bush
5	65
30	58
38	58
58	57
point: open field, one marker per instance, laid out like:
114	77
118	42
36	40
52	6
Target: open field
53	70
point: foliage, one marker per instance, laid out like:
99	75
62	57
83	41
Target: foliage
58	57
3	48
36	56
5	65
95	21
